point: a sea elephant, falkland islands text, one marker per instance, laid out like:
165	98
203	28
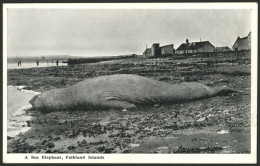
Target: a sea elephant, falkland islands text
122	91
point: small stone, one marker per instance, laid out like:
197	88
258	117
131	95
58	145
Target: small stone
8	137
202	148
156	105
225	147
50	145
201	119
101	148
162	148
57	138
126	151
48	151
43	142
109	150
72	147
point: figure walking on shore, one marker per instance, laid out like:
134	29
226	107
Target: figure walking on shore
57	62
19	63
37	62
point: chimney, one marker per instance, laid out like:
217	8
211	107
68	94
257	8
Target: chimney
187	41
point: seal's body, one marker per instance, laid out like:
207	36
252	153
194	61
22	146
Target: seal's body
122	91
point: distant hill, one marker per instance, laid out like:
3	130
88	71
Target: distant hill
78	60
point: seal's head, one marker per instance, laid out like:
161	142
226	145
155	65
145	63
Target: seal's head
33	100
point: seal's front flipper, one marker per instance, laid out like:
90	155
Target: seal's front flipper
118	104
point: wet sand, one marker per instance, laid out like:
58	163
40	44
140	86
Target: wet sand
18	103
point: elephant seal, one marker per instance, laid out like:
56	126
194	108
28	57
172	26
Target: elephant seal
122	91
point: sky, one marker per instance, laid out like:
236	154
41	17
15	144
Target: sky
111	32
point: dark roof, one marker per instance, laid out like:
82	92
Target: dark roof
148	50
193	45
242	39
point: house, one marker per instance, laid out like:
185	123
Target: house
243	43
156	50
222	49
147	52
167	50
195	47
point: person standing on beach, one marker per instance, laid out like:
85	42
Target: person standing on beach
37	62
57	62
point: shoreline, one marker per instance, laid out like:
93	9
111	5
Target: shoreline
18	117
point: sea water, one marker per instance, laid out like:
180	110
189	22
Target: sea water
31	65
17	104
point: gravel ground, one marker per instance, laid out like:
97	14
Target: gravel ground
215	125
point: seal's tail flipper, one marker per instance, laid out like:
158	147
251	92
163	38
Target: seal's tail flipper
225	90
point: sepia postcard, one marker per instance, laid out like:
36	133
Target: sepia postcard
130	83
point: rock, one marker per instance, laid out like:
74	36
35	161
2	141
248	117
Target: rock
62	122
222	132
60	150
101	148
8	137
226	112
56	138
126	151
162	148
109	150
50	145
201	119
44	142
28	123
72	147
156	105
71	135
202	148
210	115
48	151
